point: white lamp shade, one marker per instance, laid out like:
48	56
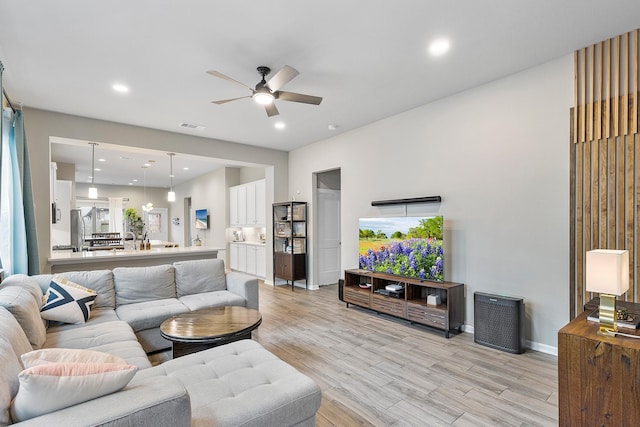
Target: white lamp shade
93	193
171	196
607	271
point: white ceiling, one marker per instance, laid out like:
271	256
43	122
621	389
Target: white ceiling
367	58
123	165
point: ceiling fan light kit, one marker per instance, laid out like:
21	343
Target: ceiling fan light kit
263	98
266	92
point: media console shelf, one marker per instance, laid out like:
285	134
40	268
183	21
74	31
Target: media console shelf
411	305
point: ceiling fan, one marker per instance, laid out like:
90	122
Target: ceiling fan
266	92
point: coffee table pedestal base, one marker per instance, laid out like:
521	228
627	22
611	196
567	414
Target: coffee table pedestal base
184	348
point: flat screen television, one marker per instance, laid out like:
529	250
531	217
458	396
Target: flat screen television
404	246
202	220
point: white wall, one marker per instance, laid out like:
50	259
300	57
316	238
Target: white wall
498	155
206	192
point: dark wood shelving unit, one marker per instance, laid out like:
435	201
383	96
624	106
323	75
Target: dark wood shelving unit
412	304
290	242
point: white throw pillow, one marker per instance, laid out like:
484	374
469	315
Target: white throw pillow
58	378
67	302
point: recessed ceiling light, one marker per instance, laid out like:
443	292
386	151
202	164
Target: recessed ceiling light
102	160
146	165
185	168
134	180
332	127
120	88
97	169
439	47
131	183
279	125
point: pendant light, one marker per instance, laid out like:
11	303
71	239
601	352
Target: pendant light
93	191
148	206
171	195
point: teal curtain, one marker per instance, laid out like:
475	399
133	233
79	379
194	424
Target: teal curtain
28	206
18	243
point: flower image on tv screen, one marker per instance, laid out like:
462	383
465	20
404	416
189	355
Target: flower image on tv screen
404	246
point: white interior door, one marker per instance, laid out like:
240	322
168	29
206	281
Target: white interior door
156	224
328	220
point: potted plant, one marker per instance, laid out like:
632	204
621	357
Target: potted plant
134	223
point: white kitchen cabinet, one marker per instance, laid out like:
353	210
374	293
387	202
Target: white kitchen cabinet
261	261
242	257
233	256
247	204
234	218
242	205
261	203
248	258
251	260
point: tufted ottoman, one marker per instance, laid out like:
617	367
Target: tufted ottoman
241	384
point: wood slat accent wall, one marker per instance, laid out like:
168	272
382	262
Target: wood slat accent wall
605	159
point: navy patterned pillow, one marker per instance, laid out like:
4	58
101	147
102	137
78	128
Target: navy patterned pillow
67	302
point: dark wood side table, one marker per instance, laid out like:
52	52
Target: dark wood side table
598	376
209	327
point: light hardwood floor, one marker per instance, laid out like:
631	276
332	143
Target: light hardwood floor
376	370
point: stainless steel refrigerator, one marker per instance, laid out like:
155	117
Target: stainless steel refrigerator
77	229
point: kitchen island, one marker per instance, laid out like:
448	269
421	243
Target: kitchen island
109	259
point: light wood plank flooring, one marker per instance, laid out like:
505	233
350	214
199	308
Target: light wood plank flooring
376	370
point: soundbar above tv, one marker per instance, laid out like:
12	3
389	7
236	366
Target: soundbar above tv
428	199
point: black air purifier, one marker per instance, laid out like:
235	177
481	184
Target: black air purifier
498	322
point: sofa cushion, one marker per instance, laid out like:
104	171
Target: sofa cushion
100	281
20	302
139	284
150	314
13	343
241	383
99	315
52	386
67	302
24	281
11	332
109	337
196	276
212	299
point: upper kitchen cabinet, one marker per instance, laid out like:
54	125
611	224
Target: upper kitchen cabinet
247	204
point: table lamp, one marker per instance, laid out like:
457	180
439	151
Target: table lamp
607	272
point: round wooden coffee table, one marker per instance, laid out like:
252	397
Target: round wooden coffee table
209	327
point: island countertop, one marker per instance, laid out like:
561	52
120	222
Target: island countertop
109	259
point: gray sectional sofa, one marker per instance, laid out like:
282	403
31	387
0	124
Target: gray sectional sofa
239	383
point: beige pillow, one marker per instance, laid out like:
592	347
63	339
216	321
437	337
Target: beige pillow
59	378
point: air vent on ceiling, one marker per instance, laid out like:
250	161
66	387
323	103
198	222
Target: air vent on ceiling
191	126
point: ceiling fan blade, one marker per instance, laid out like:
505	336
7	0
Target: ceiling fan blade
282	77
271	110
224	101
298	97
223	76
